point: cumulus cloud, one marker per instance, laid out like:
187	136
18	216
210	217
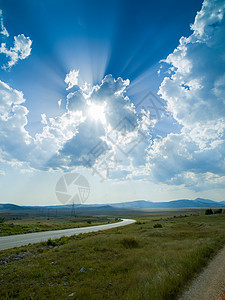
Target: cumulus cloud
195	97
172	157
60	102
68	140
72	78
194	92
47	144
76	151
78	136
20	50
3	29
14	139
96	140
17	146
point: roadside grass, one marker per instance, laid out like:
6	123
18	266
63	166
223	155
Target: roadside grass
28	224
129	263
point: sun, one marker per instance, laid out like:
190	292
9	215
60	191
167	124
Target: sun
97	112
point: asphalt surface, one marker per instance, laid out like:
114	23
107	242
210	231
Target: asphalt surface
11	241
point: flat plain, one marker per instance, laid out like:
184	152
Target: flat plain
155	258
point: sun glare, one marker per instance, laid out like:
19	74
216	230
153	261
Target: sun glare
97	112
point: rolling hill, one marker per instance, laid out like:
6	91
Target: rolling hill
132	205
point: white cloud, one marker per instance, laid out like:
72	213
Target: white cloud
20	50
60	102
194	92
3	29
92	133
72	78
44	119
14	139
16	145
173	157
70	137
195	97
22	45
56	132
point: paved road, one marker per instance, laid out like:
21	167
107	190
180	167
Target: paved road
11	241
210	284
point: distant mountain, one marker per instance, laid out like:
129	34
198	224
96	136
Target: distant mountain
132	205
18	207
10	207
204	200
183	203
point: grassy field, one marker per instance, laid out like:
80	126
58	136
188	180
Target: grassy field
140	261
26	224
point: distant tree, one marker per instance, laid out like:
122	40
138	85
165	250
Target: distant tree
209	212
2	220
218	211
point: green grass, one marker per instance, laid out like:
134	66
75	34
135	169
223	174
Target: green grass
133	262
27	224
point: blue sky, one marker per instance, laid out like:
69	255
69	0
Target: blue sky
86	69
122	38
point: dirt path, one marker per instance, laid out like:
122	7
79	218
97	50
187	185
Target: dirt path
210	284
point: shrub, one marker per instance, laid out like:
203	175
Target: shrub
129	243
218	211
51	242
2	220
89	221
209	212
62	240
157	225
139	223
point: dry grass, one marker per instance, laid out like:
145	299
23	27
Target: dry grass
27	224
133	262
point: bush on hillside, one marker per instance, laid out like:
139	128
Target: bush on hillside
157	225
129	243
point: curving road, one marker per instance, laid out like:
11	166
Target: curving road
11	241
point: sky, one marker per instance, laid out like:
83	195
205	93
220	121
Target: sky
127	96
